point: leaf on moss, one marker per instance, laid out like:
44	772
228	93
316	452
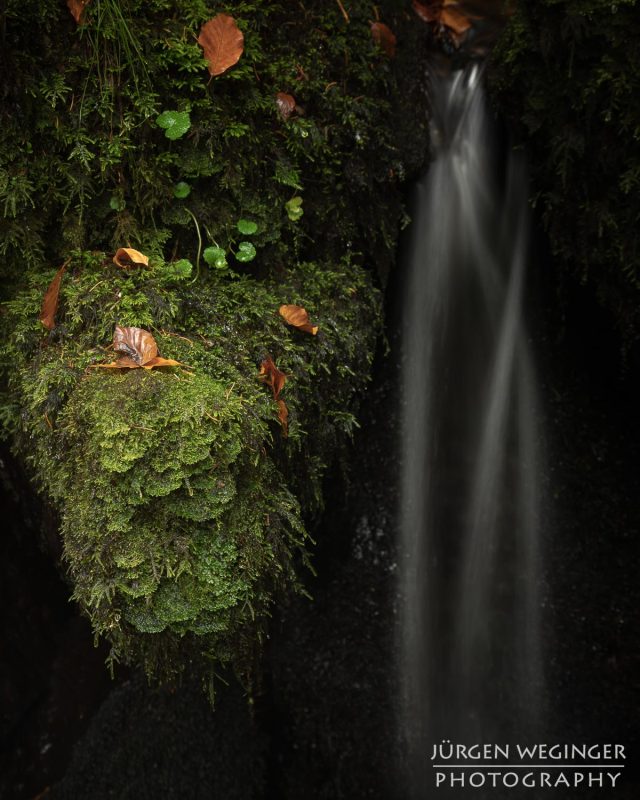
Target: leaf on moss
272	376
181	190
246	252
77	7
215	257
294	208
222	42
247	226
175	123
138	348
283	416
127	258
286	104
384	37
298	318
50	301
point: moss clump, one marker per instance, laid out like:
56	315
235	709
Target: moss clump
182	504
567	73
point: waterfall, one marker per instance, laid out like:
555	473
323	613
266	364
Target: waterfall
470	639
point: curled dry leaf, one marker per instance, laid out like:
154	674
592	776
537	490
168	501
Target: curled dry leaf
429	12
77	7
283	416
50	300
454	18
272	376
222	42
127	258
384	37
298	318
286	104
449	13
138	348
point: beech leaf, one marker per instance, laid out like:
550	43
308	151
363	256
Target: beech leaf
298	318
272	376
384	37
138	348
77	7
283	416
127	258
222	42
50	301
286	104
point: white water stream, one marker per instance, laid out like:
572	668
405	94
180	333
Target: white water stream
470	647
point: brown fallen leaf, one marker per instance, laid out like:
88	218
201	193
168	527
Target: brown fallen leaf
50	300
127	258
139	349
272	376
298	318
384	37
286	104
427	11
77	7
283	416
454	18
222	42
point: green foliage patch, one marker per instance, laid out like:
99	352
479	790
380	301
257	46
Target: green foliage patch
183	507
567	73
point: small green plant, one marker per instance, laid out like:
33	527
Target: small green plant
180	269
215	257
294	208
247	227
246	252
181	190
175	123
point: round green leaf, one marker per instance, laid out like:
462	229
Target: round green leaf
117	203
181	190
175	123
246	252
215	257
247	226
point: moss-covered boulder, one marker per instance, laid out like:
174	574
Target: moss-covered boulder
183	499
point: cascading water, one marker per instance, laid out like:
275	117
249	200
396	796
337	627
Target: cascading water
470	649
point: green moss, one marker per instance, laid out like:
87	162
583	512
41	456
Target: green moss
567	74
183	507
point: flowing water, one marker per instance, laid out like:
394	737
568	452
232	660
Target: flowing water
470	650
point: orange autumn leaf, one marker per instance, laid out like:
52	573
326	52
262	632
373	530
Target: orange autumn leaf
50	300
298	318
77	7
272	376
283	416
454	18
127	258
286	104
222	42
429	12
138	349
384	37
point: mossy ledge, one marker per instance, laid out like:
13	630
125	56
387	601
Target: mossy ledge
183	508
